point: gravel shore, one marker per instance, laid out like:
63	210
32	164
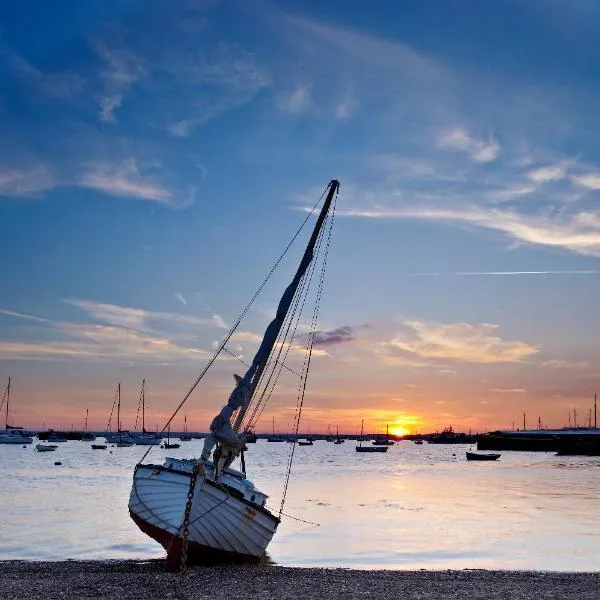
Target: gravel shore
135	580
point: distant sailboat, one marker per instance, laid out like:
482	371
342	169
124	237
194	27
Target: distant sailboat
338	439
145	438
86	436
275	438
122	443
361	448
385	441
12	434
167	445
185	436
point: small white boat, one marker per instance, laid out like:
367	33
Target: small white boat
202	510
46	447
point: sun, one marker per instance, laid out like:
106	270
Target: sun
398	430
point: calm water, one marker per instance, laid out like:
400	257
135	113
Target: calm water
414	507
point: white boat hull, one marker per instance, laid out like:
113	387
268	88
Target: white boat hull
224	526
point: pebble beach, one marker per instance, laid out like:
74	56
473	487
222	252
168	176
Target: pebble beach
135	580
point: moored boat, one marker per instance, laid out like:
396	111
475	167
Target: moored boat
46	447
480	456
368	449
202	510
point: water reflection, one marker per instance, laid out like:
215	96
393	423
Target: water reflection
413	507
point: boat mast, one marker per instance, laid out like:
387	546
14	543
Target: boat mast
87	410
362	425
143	407
254	373
119	410
7	403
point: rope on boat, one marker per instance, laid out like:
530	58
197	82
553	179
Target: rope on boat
308	355
237	322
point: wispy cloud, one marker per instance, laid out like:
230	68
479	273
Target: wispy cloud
122	70
124	179
580	365
590	181
224	79
508	391
124	340
180	298
295	101
335	336
62	85
25	182
548	173
480	150
476	343
579	232
504	273
140	319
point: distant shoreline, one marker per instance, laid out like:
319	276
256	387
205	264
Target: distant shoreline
147	580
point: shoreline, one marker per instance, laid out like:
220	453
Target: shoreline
148	580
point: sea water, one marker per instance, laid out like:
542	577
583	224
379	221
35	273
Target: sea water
411	508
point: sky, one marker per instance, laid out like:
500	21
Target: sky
157	156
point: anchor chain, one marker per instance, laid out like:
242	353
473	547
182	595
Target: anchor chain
186	520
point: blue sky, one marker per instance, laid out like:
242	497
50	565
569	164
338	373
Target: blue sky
156	157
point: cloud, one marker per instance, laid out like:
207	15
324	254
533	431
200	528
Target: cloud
26	182
180	298
504	273
335	336
295	101
98	341
364	49
140	319
61	85
566	364
589	180
549	173
481	151
122	70
579	232
509	391
125	340
123	179
223	80
460	341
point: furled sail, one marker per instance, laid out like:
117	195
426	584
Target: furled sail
222	429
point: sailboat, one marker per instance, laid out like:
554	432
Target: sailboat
338	439
185	436
361	448
86	436
167	445
123	442
202	510
384	441
145	438
275	438
12	434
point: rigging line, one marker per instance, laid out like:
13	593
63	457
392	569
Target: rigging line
238	321
315	316
266	394
112	410
267	373
302	296
225	349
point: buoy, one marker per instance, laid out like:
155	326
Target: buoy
57	462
